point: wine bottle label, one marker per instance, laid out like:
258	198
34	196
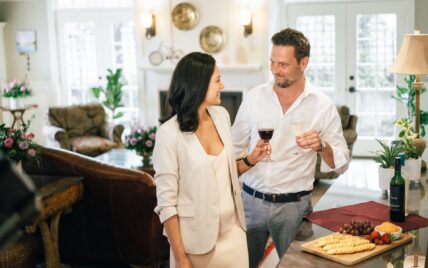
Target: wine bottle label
397	203
397	198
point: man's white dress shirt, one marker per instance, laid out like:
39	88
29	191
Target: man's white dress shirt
288	172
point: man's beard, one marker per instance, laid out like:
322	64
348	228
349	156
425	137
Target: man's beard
285	84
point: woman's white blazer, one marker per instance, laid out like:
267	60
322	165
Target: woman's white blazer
186	185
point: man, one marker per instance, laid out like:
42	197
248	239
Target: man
277	193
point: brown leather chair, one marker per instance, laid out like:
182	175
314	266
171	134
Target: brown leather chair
115	222
82	128
349	127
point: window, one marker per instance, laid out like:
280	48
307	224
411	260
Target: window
92	41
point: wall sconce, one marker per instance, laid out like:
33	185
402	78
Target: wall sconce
148	21
246	20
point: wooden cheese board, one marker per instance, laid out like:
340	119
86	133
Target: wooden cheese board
351	259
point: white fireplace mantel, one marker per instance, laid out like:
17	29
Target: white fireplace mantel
223	68
236	78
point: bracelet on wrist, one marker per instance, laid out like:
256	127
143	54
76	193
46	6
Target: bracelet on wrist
245	159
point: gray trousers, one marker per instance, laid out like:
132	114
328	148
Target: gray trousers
279	220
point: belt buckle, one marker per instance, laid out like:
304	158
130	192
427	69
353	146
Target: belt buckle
273	198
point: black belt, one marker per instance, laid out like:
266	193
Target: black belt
276	198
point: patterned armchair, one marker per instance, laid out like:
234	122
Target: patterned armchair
82	128
349	126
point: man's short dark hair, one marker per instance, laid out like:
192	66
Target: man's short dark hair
292	37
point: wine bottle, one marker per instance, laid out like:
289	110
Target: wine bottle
397	194
406	181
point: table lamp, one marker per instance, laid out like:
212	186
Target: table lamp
413	60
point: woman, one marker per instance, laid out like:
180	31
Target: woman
198	193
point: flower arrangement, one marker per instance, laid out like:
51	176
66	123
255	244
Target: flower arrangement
17	144
15	89
142	141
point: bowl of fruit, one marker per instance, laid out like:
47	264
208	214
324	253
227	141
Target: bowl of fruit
389	228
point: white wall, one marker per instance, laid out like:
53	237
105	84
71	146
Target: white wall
29	15
236	75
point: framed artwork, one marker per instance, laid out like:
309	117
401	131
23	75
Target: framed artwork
26	41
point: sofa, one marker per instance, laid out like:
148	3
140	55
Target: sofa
82	128
115	223
349	127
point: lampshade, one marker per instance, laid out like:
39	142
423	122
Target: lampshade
413	56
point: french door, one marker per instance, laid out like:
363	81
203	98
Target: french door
90	42
352	46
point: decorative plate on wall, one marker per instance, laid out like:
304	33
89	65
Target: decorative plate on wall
185	16
212	39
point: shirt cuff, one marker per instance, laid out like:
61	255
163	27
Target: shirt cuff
341	160
165	212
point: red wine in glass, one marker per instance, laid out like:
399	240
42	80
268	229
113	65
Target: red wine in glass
265	129
266	134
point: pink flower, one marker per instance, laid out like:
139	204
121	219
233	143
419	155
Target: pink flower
22	89
134	141
12	83
149	143
30	136
8	143
23	145
31	152
152	136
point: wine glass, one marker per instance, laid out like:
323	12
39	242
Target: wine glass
297	124
265	129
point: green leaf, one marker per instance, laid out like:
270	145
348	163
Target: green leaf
118	115
96	91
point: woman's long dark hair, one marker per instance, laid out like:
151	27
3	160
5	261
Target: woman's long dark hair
188	88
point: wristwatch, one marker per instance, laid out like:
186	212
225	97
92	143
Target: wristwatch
322	148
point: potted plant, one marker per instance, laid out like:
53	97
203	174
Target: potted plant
143	142
406	95
112	93
16	91
386	158
413	161
18	144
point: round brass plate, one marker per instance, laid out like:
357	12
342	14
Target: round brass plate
212	39
185	16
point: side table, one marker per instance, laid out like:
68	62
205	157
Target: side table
18	113
57	195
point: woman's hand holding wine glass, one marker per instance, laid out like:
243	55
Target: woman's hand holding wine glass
259	153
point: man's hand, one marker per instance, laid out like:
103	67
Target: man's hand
309	140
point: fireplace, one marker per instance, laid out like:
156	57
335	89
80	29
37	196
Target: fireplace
231	100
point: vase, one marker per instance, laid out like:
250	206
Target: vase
147	159
413	169
385	176
16	103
